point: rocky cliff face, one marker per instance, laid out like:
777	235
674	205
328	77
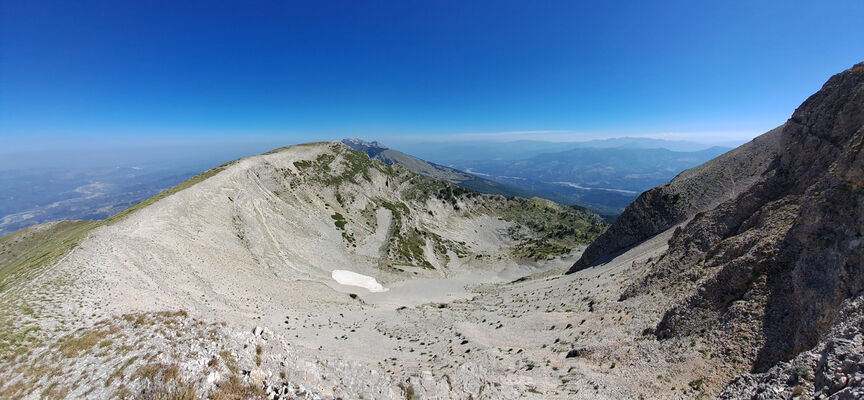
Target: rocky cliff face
762	276
693	191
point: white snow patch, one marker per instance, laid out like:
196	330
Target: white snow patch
349	278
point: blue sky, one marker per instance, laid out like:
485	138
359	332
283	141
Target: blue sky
91	73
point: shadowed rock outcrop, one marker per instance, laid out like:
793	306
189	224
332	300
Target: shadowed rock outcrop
692	191
762	276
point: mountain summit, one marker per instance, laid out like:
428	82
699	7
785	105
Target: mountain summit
372	148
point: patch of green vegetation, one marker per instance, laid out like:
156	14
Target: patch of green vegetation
443	246
355	163
802	371
398	209
339	165
539	249
77	342
339	221
409	248
554	229
406	243
303	164
423	188
696	384
15	339
38	246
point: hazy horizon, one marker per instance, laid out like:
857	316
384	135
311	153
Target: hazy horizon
123	75
207	153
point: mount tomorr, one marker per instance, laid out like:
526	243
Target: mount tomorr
315	271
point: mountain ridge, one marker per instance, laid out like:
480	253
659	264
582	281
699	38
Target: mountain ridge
763	275
245	244
378	151
314	271
689	193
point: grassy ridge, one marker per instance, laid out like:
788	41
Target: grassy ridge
23	252
26	253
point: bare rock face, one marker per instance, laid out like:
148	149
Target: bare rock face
762	276
692	191
835	367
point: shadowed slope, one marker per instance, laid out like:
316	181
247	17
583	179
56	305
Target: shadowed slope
762	276
693	191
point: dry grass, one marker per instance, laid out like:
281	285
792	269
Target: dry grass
230	361
164	382
153	371
233	388
119	372
73	344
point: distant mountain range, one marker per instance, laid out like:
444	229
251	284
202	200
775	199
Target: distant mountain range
451	152
603	175
604	178
378	151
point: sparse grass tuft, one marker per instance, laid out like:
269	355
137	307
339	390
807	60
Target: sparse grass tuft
233	388
802	372
696	384
77	342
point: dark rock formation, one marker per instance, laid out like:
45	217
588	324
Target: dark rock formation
692	191
835	367
762	276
